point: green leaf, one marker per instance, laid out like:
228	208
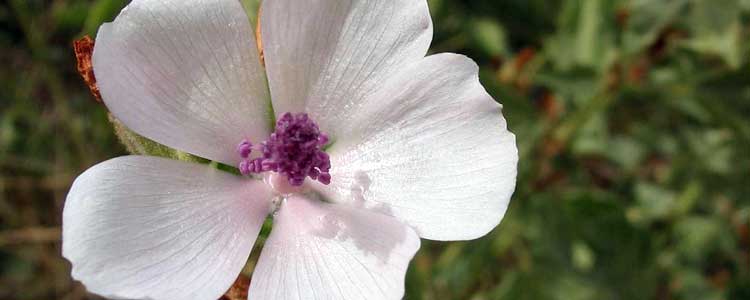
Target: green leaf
101	12
654	202
582	256
716	29
490	37
697	237
647	19
586	36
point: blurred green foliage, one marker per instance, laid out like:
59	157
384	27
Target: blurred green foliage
632	118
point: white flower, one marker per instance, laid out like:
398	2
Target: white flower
418	149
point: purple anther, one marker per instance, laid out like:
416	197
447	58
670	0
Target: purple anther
292	150
244	167
322	139
245	148
324	178
257	165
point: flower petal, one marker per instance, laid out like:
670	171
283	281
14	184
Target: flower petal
432	149
185	74
324	56
139	227
325	251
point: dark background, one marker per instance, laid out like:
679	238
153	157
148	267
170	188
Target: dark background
633	124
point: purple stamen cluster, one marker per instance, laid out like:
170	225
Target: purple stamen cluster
293	150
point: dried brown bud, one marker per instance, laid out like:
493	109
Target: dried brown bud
84	49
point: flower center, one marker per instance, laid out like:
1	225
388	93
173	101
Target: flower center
293	150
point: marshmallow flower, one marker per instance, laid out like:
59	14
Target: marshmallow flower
354	141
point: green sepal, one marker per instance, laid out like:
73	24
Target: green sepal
139	145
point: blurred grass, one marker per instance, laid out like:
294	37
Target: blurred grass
632	118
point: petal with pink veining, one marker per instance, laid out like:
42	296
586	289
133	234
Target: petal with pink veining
139	227
430	148
326	251
325	56
185	74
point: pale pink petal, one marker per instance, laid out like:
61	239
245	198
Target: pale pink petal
325	56
430	148
140	227
327	252
185	74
